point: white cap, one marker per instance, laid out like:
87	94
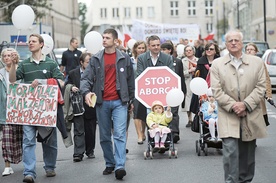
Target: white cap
209	92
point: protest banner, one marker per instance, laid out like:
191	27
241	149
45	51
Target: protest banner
141	30
32	106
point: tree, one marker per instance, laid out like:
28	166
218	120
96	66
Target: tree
82	17
222	26
9	6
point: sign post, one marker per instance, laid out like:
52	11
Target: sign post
154	83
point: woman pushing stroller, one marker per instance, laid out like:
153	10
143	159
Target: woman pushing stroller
157	121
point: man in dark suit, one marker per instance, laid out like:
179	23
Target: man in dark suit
87	124
168	48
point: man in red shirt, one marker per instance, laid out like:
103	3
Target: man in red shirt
110	77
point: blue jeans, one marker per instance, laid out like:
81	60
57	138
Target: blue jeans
29	145
113	112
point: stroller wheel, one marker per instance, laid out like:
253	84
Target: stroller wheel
170	154
151	155
206	149
145	155
174	153
196	146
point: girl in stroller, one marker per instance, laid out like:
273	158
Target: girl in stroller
157	121
209	110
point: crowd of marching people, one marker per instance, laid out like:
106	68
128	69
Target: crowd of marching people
106	80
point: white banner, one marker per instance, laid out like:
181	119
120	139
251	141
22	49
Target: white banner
141	30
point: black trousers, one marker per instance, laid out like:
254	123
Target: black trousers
175	120
90	126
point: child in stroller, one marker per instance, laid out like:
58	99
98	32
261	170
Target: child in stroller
157	121
208	121
159	133
209	109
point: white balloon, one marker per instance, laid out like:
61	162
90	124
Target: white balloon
199	86
180	49
48	44
93	42
174	97
23	17
131	43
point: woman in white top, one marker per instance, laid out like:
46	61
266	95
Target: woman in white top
189	66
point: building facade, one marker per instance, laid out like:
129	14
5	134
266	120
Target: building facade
248	16
215	16
116	13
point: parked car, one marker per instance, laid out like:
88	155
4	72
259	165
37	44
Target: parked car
58	52
262	46
269	58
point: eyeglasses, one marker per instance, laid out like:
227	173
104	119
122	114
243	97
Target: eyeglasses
209	49
188	50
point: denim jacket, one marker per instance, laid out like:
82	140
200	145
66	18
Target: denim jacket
3	95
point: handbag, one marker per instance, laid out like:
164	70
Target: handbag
195	124
77	103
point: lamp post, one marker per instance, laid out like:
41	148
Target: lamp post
238	14
264	3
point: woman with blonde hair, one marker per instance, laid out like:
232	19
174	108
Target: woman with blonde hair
189	66
12	134
139	111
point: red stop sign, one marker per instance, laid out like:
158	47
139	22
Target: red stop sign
154	83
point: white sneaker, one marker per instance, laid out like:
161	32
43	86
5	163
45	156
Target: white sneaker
212	139
219	139
7	171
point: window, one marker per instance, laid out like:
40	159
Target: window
139	12
174	8
209	27
209	7
151	13
127	12
191	8
115	12
103	13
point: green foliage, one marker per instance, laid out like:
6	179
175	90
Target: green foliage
34	4
82	17
222	26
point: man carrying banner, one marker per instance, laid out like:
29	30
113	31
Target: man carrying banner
36	70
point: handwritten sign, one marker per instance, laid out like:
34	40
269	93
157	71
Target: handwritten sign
32	106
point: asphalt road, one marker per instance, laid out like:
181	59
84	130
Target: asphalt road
187	168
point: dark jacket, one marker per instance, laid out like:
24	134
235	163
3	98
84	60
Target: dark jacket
74	79
201	66
178	68
144	61
94	76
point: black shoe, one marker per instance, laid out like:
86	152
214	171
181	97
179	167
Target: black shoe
189	124
120	173
108	170
176	138
127	151
91	156
28	179
77	159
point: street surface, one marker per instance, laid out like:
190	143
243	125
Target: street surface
187	168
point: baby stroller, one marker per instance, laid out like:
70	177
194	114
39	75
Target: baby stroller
169	146
204	141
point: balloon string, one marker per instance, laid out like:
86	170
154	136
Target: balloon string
17	38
